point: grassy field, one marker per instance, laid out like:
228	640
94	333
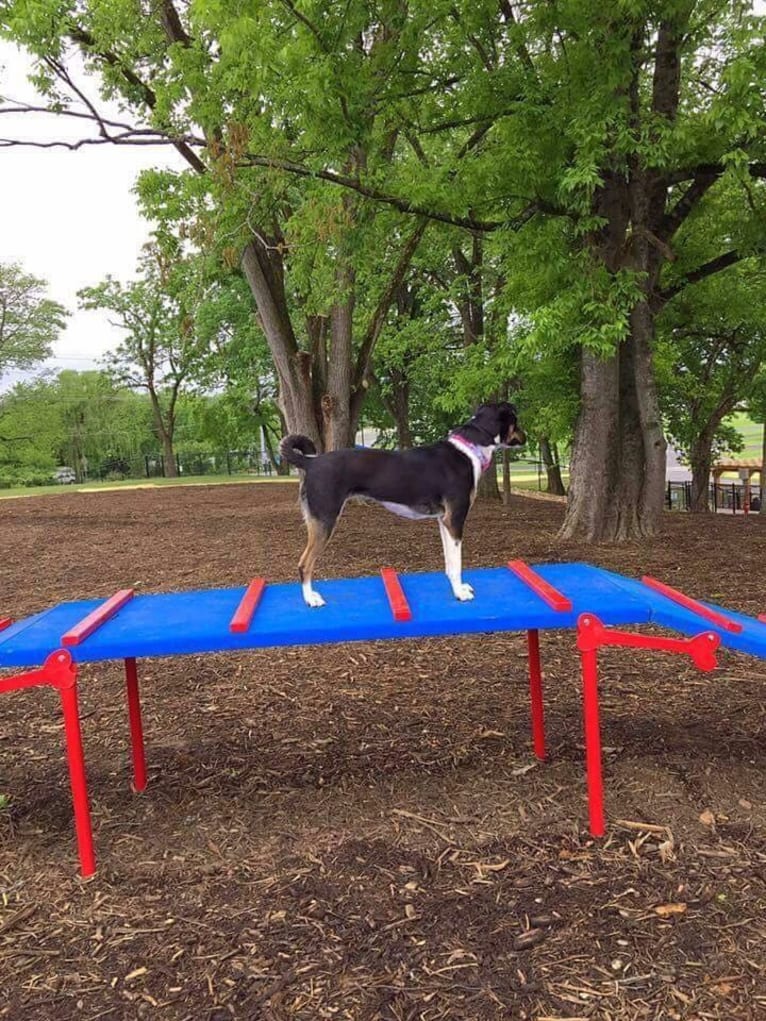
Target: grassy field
752	433
94	487
523	476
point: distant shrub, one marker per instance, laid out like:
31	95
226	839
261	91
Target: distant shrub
13	477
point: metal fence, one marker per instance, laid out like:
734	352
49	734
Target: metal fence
727	497
152	466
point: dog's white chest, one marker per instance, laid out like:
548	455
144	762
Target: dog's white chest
403	511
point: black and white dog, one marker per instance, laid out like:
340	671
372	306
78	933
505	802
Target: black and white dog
438	481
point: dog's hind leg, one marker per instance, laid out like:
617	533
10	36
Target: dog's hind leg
451	529
319	536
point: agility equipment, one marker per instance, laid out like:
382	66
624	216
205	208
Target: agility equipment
593	602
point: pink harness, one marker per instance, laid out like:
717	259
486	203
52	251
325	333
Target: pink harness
480	453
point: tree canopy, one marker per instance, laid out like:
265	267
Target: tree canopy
569	172
29	321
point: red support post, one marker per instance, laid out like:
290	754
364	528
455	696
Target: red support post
592	728
762	618
536	693
97	617
78	780
692	604
591	636
5	622
396	597
555	599
59	671
243	616
136	727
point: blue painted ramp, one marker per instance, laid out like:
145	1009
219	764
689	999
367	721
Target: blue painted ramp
666	613
357	609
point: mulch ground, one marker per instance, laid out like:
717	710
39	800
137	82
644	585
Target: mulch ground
361	831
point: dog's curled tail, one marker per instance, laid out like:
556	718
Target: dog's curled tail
297	450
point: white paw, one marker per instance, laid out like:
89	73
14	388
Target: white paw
313	599
463	592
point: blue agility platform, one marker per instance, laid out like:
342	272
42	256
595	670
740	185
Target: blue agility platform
178	623
592	601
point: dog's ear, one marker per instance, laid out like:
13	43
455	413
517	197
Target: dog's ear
487	419
512	435
499	423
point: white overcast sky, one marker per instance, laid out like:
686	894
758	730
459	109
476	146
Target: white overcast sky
69	217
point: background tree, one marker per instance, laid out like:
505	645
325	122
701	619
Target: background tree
757	408
79	419
160	349
586	136
711	348
29	321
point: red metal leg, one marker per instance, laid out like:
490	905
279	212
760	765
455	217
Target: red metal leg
536	693
593	742
136	727
78	780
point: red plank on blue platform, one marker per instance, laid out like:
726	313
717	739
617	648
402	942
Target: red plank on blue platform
99	616
5	622
396	597
555	599
240	622
692	604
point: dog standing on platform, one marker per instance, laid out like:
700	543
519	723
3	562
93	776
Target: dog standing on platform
437	481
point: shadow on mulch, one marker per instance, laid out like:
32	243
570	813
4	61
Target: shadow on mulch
360	831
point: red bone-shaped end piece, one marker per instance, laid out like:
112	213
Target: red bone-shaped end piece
60	669
702	649
591	635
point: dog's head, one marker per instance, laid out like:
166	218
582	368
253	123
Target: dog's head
498	425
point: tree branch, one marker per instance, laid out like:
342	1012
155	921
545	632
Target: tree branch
403	205
379	315
87	42
672	220
707	269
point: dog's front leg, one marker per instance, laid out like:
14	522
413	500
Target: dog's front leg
453	562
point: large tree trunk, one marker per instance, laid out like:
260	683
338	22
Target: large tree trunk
763	471
618	459
264	273
322	391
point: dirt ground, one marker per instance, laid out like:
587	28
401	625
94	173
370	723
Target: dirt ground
361	832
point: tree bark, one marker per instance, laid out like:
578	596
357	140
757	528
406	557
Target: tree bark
338	430
763	471
398	406
506	477
165	431
264	272
700	461
552	468
321	391
488	488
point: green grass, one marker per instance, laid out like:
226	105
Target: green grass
752	433
522	477
188	480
